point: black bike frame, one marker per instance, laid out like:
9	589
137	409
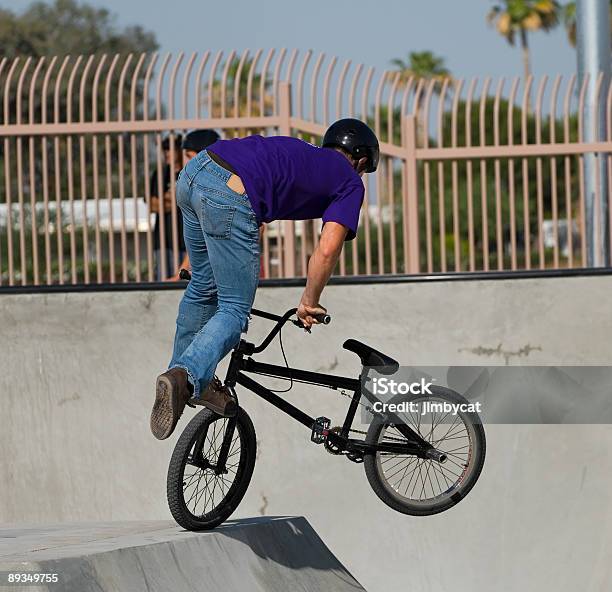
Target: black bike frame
241	363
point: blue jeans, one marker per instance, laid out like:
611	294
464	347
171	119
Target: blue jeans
222	240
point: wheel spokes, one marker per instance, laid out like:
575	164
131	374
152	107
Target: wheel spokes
203	488
419	479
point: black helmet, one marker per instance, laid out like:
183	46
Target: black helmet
197	140
356	138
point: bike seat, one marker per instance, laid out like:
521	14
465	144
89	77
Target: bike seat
371	357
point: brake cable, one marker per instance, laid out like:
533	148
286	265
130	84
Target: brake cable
280	340
341	392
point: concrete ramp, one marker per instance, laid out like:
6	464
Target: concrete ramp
260	554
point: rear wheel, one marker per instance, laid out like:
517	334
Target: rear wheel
422	487
200	495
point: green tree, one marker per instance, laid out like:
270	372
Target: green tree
569	20
62	28
424	65
421	64
514	18
530	175
67	27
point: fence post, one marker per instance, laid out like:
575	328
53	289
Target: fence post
284	90
410	196
593	45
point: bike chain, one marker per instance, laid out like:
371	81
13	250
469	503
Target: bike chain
331	449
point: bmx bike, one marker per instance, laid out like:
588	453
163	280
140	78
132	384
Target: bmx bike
418	463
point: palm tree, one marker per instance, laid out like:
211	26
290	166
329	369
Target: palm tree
421	64
569	19
520	17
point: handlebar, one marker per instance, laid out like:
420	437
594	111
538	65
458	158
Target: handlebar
325	319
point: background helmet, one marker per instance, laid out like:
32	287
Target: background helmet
356	138
197	140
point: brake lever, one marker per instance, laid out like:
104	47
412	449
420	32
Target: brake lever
300	325
324	319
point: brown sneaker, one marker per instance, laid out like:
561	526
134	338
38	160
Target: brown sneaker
218	398
171	396
214	383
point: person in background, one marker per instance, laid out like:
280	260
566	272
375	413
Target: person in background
161	203
193	142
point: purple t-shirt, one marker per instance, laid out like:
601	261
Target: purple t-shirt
289	179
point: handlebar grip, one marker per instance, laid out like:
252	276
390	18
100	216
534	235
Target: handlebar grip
184	274
325	319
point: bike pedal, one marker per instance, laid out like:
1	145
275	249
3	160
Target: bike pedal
320	430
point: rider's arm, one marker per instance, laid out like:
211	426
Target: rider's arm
320	268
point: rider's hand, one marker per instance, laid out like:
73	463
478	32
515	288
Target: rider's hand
305	313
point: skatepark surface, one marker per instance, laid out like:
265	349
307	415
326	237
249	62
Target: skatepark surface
271	554
77	385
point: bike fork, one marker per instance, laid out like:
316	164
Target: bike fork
225	446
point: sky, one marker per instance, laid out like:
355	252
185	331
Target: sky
372	32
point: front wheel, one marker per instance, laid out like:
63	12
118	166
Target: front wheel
421	487
201	493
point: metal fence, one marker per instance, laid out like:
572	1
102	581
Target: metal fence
474	174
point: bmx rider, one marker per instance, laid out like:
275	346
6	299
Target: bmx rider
225	193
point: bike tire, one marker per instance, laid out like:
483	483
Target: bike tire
221	509
391	495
